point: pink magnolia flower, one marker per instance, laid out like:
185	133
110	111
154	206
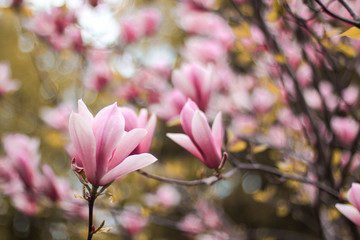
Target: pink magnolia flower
195	82
6	84
352	212
170	106
167	196
262	100
58	117
192	224
54	188
201	141
131	220
345	129
102	147
133	121
22	152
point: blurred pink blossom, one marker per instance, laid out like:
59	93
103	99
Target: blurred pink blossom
195	82
192	224
345	129
23	154
170	106
167	196
131	220
6	84
262	100
58	117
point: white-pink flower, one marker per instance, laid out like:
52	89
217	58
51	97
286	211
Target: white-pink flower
101	146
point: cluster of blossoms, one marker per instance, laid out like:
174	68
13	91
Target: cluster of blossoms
270	69
22	180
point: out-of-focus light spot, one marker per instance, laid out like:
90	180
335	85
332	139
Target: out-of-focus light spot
124	65
99	27
160	54
222	189
251	183
59	231
66	66
45	61
21	224
26	43
5	3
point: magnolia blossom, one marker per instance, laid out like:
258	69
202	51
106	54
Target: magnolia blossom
131	220
6	84
101	146
204	143
133	121
262	100
345	129
170	106
58	117
195	82
352	212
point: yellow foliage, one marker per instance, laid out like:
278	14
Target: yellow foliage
243	30
346	49
266	195
238	146
333	213
336	157
259	148
353	32
54	138
274	14
280	58
247	10
282	210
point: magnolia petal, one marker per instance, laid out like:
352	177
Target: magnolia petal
128	142
108	128
131	120
130	164
350	212
84	144
354	195
84	111
218	131
186	116
145	144
184	85
204	140
143	117
185	141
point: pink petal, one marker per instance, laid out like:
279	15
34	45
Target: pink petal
84	111
204	139
186	116
84	145
218	131
128	142
184	85
184	141
130	164
350	212
131	120
108	128
354	195
145	144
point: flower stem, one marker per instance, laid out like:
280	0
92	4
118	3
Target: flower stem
91	201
